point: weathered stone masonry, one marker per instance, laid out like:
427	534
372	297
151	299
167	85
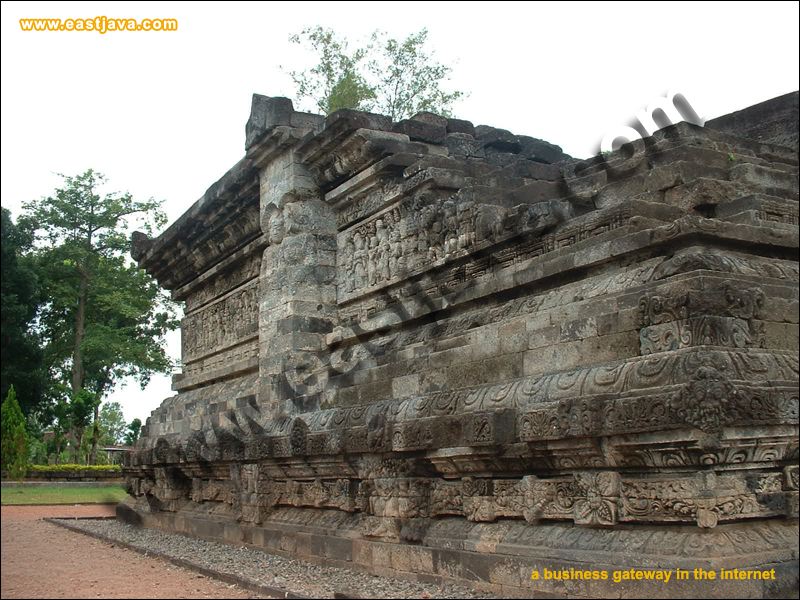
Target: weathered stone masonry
450	351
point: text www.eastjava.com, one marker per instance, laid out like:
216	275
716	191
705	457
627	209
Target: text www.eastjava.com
101	24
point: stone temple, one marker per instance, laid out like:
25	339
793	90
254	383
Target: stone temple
434	350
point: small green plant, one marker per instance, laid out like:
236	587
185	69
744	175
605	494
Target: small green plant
731	157
14	450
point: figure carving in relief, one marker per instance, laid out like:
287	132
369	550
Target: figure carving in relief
277	228
360	260
488	222
240	305
348	261
372	262
383	251
466	225
430	241
429	229
408	248
395	253
450	227
221	324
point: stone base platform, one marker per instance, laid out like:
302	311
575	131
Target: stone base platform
502	557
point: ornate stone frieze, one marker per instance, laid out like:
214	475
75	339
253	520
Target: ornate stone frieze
229	321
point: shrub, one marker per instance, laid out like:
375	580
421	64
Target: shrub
73	468
14	451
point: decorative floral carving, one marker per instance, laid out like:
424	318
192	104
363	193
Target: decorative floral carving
662	309
297	436
598	498
702	331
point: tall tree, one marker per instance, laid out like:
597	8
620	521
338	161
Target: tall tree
14	438
104	319
397	78
19	299
112	424
337	80
134	429
408	78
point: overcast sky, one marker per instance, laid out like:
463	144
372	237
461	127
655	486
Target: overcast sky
163	114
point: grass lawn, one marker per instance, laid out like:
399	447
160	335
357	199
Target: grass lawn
62	495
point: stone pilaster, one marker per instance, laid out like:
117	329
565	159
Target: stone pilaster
297	288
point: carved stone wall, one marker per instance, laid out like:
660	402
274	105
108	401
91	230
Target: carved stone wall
428	347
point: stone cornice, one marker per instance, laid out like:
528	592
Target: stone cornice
214	227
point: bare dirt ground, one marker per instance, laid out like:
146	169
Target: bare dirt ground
41	560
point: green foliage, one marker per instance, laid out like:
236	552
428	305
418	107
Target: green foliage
388	76
408	78
134	429
112	424
59	415
349	91
13	437
82	409
73	468
37	450
102	319
19	302
84	243
335	81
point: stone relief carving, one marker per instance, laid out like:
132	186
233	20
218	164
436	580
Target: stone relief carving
222	324
598	497
276	227
449	279
707	401
693	259
592	499
230	279
702	331
428	229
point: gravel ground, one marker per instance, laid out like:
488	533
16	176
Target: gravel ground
256	566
